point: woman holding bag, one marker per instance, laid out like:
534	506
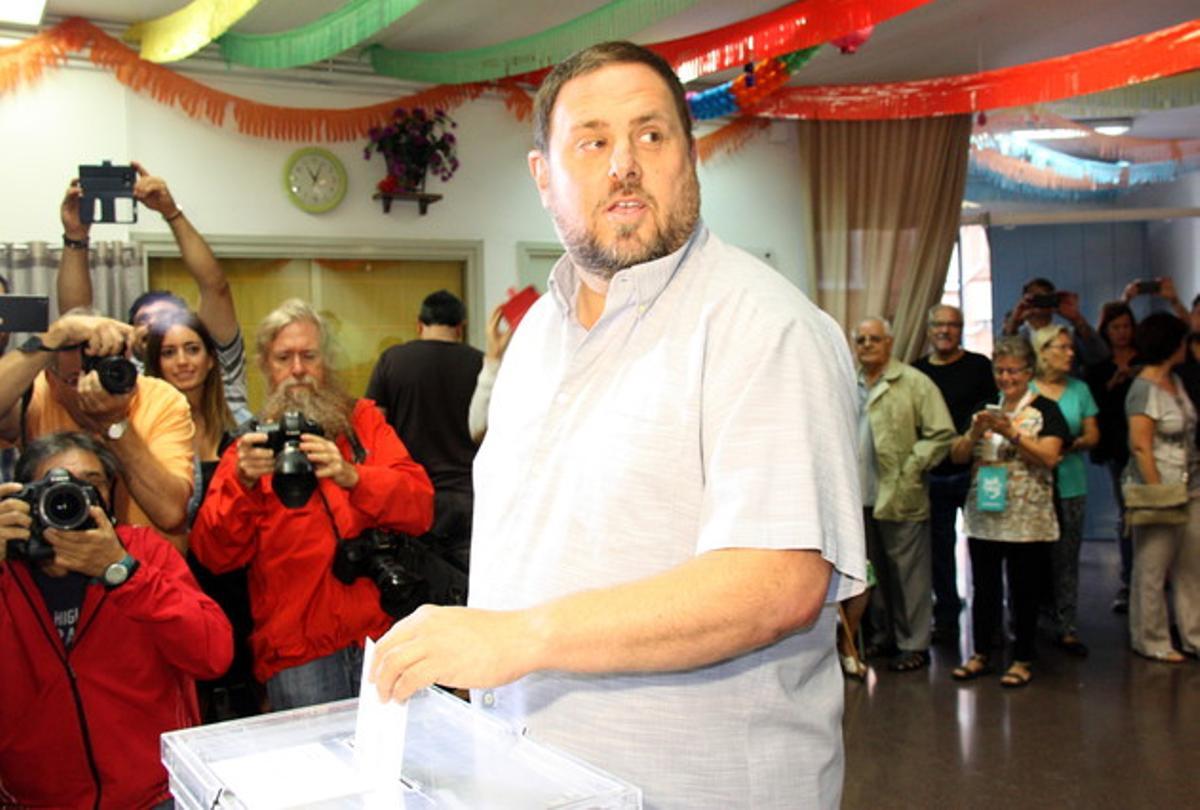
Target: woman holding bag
1013	447
1162	495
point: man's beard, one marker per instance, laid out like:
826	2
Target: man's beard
589	255
328	405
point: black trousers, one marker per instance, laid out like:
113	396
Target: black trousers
1025	566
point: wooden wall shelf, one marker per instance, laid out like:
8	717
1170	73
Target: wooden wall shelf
422	199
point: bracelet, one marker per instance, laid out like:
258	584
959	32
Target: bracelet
78	244
178	213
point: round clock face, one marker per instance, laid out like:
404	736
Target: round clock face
315	180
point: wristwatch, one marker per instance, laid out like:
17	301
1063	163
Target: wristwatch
117	429
117	573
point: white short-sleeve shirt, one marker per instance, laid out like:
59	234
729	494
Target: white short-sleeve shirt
711	406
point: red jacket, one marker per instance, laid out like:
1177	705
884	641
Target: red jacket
301	612
98	708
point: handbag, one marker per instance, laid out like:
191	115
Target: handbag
1155	504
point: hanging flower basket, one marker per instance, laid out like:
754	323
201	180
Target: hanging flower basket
414	144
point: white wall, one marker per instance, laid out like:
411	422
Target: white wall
231	185
1175	244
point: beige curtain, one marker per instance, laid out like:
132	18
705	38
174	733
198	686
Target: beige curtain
884	201
117	275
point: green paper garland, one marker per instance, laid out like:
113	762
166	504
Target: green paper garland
618	19
323	38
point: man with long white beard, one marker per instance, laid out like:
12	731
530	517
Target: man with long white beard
309	625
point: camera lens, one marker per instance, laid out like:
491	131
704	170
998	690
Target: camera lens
294	481
64	506
117	375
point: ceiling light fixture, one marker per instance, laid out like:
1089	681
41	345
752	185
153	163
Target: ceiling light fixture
1048	134
22	12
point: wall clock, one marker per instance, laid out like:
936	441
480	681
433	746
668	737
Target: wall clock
315	180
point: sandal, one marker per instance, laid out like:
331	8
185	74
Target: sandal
1070	643
909	661
972	668
1165	657
1017	675
852	667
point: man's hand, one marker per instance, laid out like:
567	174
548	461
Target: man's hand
97	406
89	551
14	517
254	460
497	339
152	192
1068	307
327	460
463	648
101	336
73	226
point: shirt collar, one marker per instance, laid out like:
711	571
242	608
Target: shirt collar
646	281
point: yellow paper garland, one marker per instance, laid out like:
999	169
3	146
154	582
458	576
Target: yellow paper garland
181	33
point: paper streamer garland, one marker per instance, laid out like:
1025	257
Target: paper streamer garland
749	89
323	38
618	19
1138	59
180	34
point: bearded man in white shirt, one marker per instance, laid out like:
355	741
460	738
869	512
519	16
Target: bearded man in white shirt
667	505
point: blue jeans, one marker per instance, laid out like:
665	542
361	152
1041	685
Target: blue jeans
334	677
947	494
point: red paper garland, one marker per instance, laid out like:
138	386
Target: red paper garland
1131	61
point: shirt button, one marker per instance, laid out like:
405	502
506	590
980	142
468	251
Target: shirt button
489	699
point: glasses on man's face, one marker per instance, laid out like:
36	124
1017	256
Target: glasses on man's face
863	340
1001	371
945	325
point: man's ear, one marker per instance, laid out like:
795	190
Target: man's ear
539	169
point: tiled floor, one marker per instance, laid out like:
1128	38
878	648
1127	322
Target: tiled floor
1108	731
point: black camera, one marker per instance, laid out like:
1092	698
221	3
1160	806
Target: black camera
1044	300
118	374
407	573
109	189
58	501
294	480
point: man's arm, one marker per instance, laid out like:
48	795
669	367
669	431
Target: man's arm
18	369
713	607
74	281
157	466
935	428
216	308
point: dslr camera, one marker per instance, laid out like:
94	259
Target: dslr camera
118	374
59	501
407	573
294	480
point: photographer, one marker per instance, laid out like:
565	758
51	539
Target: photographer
1038	305
102	630
285	514
145	422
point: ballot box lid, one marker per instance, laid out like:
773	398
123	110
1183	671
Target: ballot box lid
455	756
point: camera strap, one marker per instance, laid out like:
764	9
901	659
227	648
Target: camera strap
360	455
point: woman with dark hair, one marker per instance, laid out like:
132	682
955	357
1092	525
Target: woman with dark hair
1109	381
181	351
1164	467
1013	446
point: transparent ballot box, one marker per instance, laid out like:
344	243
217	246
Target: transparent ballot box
455	756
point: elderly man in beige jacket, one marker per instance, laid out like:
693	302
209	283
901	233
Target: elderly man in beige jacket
905	429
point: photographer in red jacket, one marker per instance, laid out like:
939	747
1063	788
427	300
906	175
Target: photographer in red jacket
102	633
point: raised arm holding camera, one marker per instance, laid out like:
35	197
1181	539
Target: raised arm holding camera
103	631
318	471
216	309
1040	302
144	421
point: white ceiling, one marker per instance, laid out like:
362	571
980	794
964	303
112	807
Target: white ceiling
942	38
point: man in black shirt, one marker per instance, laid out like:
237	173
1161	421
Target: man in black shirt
424	388
965	380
